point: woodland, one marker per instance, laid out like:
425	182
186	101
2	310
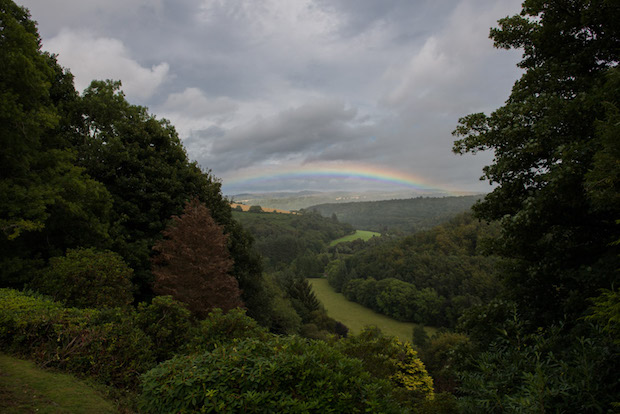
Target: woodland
121	261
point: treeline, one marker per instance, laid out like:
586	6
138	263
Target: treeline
398	216
293	239
430	277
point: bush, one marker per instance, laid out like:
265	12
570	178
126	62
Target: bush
386	357
86	278
104	344
220	328
286	374
168	323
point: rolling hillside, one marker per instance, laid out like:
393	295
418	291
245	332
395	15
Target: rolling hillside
405	216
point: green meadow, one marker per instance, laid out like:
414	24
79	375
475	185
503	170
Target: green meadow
359	234
356	316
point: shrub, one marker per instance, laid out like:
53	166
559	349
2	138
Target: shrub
104	344
287	374
221	328
168	323
86	278
386	357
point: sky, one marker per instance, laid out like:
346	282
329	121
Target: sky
285	95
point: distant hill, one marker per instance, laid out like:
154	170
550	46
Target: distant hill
304	199
408	216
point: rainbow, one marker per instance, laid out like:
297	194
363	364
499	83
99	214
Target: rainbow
342	172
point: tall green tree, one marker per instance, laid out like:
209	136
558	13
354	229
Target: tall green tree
141	161
47	203
550	140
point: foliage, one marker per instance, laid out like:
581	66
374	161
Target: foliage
193	263
286	374
552	148
546	370
443	354
388	358
397	216
220	328
283	238
169	325
430	277
87	278
606	312
48	203
300	293
103	344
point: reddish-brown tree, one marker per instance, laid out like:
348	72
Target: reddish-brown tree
194	264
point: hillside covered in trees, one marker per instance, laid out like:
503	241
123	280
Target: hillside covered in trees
429	278
397	216
121	261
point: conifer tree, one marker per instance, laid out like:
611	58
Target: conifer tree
194	264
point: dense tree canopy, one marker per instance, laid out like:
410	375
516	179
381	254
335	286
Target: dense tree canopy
48	203
554	153
556	167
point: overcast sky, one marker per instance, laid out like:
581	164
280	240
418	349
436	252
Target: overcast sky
260	86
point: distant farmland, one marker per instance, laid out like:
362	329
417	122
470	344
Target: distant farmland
356	317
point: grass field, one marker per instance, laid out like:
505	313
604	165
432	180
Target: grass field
25	388
356	317
359	234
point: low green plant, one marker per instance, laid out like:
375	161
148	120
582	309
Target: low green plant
169	325
277	374
220	328
105	344
388	358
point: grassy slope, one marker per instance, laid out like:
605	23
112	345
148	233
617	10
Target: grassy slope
24	388
356	317
359	234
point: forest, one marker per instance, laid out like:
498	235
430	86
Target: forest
397	216
122	263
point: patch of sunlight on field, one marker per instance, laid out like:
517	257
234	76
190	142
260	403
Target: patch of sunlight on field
359	234
356	316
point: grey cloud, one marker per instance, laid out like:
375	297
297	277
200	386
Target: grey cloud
407	70
311	132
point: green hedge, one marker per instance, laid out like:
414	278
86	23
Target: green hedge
103	344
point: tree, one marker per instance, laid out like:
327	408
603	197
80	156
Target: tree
47	202
550	140
193	263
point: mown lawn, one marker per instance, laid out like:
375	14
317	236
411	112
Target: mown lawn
356	317
359	234
25	388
